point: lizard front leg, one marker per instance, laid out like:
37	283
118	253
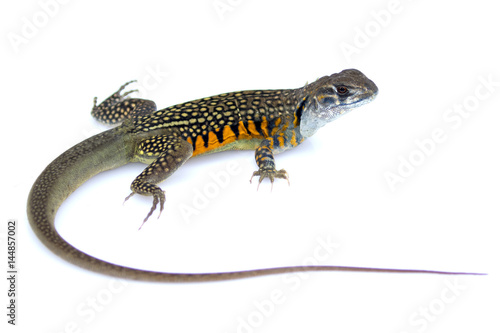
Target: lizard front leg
264	158
283	139
167	153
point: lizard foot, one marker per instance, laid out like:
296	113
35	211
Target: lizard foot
117	96
271	174
111	110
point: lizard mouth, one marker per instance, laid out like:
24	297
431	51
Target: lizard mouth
363	99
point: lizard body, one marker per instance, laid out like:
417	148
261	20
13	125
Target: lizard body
269	121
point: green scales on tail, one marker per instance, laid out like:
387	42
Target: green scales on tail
267	121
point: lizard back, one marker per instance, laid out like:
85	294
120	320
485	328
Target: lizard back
237	120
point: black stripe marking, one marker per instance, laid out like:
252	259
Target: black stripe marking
236	130
193	143
205	139
300	109
219	133
246	125
258	127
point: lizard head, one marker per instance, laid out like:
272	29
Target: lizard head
329	97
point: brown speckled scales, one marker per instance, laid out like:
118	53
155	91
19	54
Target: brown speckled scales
267	121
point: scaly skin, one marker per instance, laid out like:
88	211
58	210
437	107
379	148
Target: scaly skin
269	121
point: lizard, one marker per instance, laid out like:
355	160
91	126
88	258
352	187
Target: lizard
267	121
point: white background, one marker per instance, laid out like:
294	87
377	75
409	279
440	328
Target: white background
426	58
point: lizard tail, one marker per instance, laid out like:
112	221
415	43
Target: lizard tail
107	151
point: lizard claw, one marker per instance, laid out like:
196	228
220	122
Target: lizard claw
271	174
158	197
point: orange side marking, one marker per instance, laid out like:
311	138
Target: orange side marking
243	131
271	143
228	136
293	140
264	126
252	130
281	141
277	122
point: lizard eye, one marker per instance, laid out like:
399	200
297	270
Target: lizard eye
342	90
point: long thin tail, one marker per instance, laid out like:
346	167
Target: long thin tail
106	151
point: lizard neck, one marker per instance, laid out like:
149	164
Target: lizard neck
294	101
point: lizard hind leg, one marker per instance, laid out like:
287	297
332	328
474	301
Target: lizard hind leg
167	153
119	106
